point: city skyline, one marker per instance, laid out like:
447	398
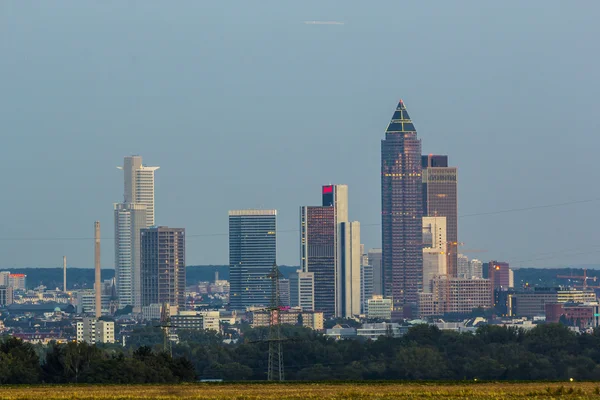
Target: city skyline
161	91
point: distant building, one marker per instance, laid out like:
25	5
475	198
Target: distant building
374	331
139	185
366	286
330	248
401	211
85	301
302	290
532	303
130	218
374	256
440	199
4	281
463	268
511	278
309	319
379	308
339	332
252	253
582	315
196	320
163	266
499	274
284	292
93	331
17	281
455	295
476	268
434	250
6	296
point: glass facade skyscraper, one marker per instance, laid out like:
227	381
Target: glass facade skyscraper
252	253
318	231
401	210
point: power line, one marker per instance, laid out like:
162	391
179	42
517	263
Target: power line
214	234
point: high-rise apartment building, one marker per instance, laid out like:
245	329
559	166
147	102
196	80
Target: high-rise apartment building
302	290
330	248
163	266
139	185
401	211
440	199
434	249
130	218
252	253
374	257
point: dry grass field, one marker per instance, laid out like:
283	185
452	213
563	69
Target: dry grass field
371	391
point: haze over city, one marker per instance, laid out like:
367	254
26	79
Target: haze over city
251	107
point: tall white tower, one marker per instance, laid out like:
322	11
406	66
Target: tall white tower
130	218
139	185
135	213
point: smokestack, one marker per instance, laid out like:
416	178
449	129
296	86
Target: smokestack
65	274
216	276
97	267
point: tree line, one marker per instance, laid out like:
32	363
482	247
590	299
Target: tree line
546	352
24	363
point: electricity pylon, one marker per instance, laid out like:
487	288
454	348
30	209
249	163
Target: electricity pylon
275	371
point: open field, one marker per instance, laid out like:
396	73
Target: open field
239	391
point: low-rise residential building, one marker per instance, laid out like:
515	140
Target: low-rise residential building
196	320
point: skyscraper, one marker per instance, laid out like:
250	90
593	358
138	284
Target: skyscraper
139	185
401	210
318	254
163	266
350	271
440	199
252	253
130	218
330	248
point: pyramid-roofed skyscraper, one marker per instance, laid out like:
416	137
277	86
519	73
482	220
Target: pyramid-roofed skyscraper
401	211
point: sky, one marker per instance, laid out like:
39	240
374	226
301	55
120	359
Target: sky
243	105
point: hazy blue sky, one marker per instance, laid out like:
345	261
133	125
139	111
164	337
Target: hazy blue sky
242	105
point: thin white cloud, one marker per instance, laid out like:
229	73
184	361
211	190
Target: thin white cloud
323	23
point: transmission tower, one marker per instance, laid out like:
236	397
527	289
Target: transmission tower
275	371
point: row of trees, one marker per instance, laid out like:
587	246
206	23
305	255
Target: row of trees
547	352
82	363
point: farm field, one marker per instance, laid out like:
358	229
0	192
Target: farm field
329	391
